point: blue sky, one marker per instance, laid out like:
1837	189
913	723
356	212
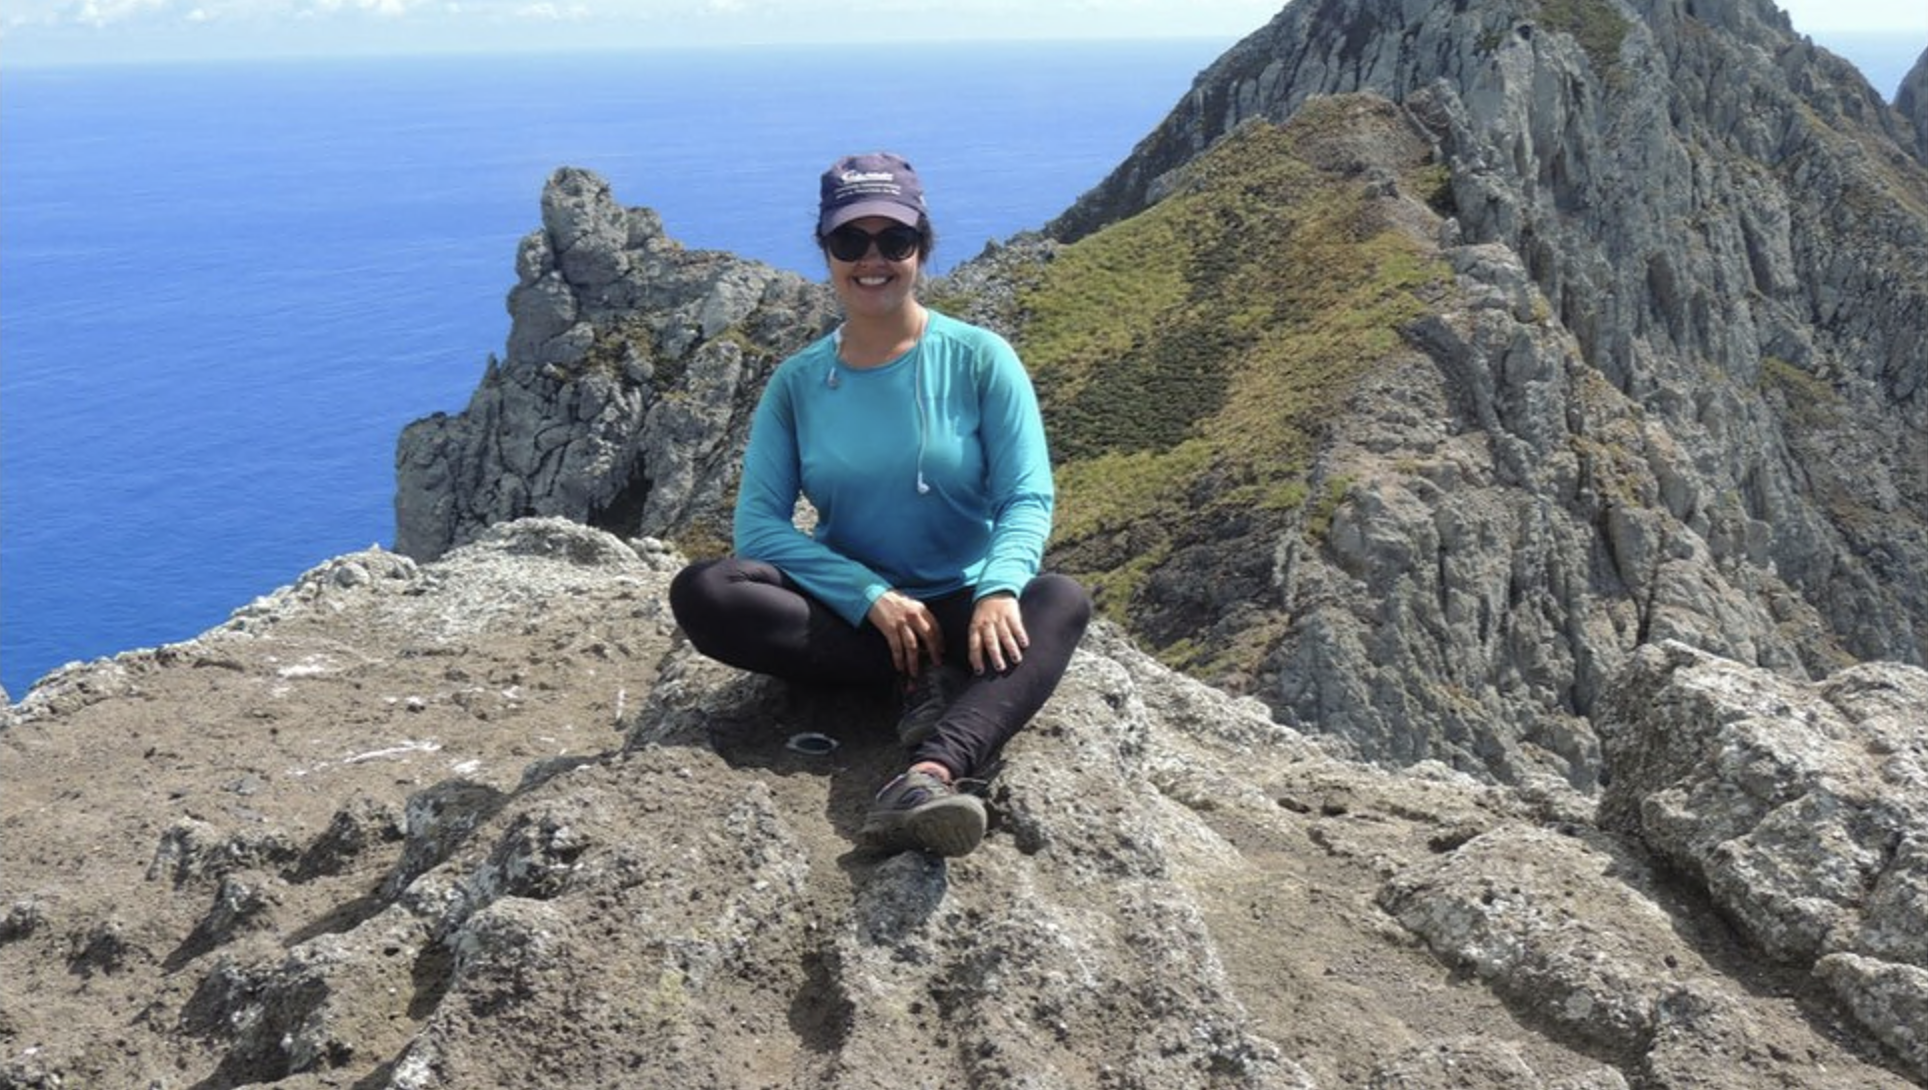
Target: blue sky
1813	17
41	31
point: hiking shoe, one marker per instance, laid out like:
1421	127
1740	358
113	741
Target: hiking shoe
926	696
918	810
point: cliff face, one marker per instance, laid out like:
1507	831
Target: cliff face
624	399
488	821
1726	221
1676	392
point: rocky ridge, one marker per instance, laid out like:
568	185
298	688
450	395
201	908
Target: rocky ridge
488	821
1719	232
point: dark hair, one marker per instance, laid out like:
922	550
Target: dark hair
926	239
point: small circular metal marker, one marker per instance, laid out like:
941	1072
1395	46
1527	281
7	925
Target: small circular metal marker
811	744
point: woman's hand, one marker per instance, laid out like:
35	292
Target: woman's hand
911	629
998	638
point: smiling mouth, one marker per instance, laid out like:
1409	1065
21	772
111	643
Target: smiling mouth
873	281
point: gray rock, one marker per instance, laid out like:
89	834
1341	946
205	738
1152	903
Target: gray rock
356	831
1797	808
1890	999
325	1004
1175	890
1477	1062
23	918
622	402
1753	780
102	947
192	851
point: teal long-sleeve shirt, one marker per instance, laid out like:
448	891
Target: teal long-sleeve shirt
956	414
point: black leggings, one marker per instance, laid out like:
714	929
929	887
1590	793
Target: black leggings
752	616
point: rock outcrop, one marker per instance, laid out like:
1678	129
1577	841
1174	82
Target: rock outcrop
1798	809
1716	211
488	821
623	400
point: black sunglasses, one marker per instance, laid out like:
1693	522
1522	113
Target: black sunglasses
851	243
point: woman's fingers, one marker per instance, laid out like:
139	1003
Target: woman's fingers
926	639
909	649
911	630
998	638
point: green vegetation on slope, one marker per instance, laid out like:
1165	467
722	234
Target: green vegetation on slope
1596	24
1189	358
1807	400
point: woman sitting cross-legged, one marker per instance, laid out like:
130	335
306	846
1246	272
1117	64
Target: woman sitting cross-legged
917	438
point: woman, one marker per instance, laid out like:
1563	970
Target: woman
917	438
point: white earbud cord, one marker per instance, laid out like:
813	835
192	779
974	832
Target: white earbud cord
917	391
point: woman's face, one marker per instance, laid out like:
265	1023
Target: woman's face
872	285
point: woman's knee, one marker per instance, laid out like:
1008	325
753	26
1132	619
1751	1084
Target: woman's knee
689	592
1059	598
700	600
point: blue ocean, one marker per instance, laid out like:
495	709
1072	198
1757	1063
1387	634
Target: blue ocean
224	289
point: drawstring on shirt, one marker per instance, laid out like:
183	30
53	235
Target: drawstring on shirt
916	354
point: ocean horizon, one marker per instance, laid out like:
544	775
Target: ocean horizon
229	286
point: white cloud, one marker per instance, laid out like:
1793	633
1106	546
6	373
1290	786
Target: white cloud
387	8
551	13
101	13
720	20
129	14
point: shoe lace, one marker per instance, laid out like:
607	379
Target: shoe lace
969	786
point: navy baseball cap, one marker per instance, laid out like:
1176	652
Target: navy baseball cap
876	184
